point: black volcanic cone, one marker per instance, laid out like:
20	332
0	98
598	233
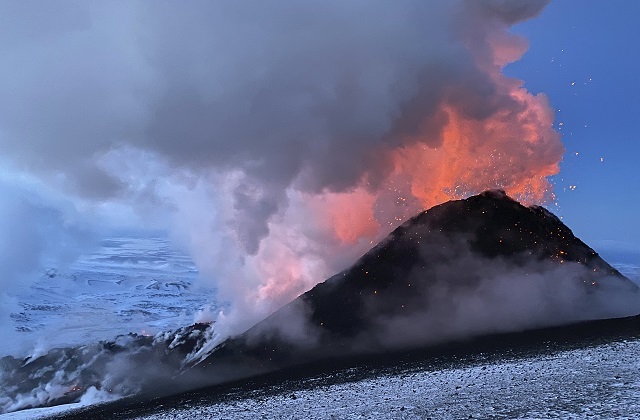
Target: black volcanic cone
447	273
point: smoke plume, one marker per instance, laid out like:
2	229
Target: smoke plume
37	231
277	141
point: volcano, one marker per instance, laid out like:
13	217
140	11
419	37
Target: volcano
483	266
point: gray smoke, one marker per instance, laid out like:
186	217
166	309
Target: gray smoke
245	128
477	296
287	93
38	231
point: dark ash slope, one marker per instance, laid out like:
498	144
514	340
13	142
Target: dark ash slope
481	265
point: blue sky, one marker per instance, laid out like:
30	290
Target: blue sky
583	56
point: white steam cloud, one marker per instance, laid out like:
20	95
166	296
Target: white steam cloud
277	141
37	231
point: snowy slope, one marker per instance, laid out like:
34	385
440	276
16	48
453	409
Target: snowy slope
597	382
140	285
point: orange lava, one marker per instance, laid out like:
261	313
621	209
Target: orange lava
350	214
504	139
514	148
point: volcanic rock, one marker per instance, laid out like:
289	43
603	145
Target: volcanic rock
485	264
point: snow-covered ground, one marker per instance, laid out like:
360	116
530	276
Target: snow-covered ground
140	285
596	382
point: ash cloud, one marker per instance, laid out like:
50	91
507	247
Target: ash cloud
38	231
253	131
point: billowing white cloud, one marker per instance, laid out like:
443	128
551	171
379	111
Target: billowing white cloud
276	140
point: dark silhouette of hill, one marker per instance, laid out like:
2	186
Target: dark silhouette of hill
464	268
